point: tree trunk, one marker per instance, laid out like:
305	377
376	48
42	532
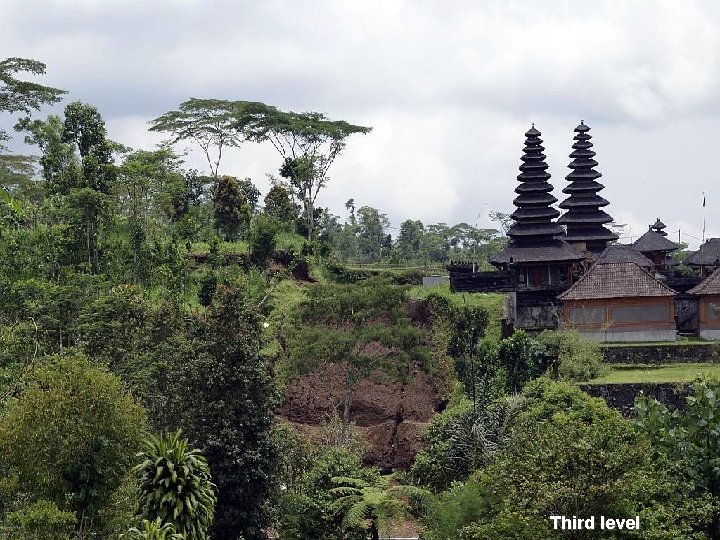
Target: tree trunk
347	402
310	217
374	530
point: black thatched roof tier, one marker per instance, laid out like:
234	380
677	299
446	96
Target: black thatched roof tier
622	254
534	215
653	241
576	202
591	234
707	255
583	219
616	280
543	252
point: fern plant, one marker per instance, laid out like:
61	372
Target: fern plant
364	505
175	486
153	530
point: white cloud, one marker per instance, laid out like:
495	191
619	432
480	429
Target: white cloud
448	88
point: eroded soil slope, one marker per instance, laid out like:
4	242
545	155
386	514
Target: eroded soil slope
391	414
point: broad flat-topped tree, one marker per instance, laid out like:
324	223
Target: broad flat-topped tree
23	96
212	124
308	142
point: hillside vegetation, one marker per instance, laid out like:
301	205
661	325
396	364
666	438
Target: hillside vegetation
183	356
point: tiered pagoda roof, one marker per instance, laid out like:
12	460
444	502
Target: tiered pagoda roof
533	233
584	219
534	215
659	227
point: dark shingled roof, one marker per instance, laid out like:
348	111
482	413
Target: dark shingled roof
584	219
544	252
708	253
710	285
534	214
616	280
653	241
623	254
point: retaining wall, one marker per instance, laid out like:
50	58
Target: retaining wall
662	354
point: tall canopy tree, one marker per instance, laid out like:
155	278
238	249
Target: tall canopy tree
308	142
222	394
212	124
23	96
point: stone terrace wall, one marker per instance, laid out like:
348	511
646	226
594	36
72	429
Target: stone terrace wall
622	396
662	354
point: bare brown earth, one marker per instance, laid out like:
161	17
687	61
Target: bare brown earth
390	414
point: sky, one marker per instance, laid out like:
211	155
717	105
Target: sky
449	89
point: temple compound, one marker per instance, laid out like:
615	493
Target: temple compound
567	271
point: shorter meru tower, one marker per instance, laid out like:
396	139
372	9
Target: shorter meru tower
583	218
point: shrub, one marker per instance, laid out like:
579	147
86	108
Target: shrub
576	359
40	520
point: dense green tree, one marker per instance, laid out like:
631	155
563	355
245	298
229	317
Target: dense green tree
570	454
409	239
373	242
60	166
571	357
39	520
232	213
175	486
83	429
519	360
221	393
252	193
262	239
78	166
689	439
279	204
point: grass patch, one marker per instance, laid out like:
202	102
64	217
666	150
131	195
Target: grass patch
663	373
283	299
224	248
289	241
435	271
492	302
680	341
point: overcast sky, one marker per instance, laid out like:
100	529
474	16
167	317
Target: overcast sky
449	89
